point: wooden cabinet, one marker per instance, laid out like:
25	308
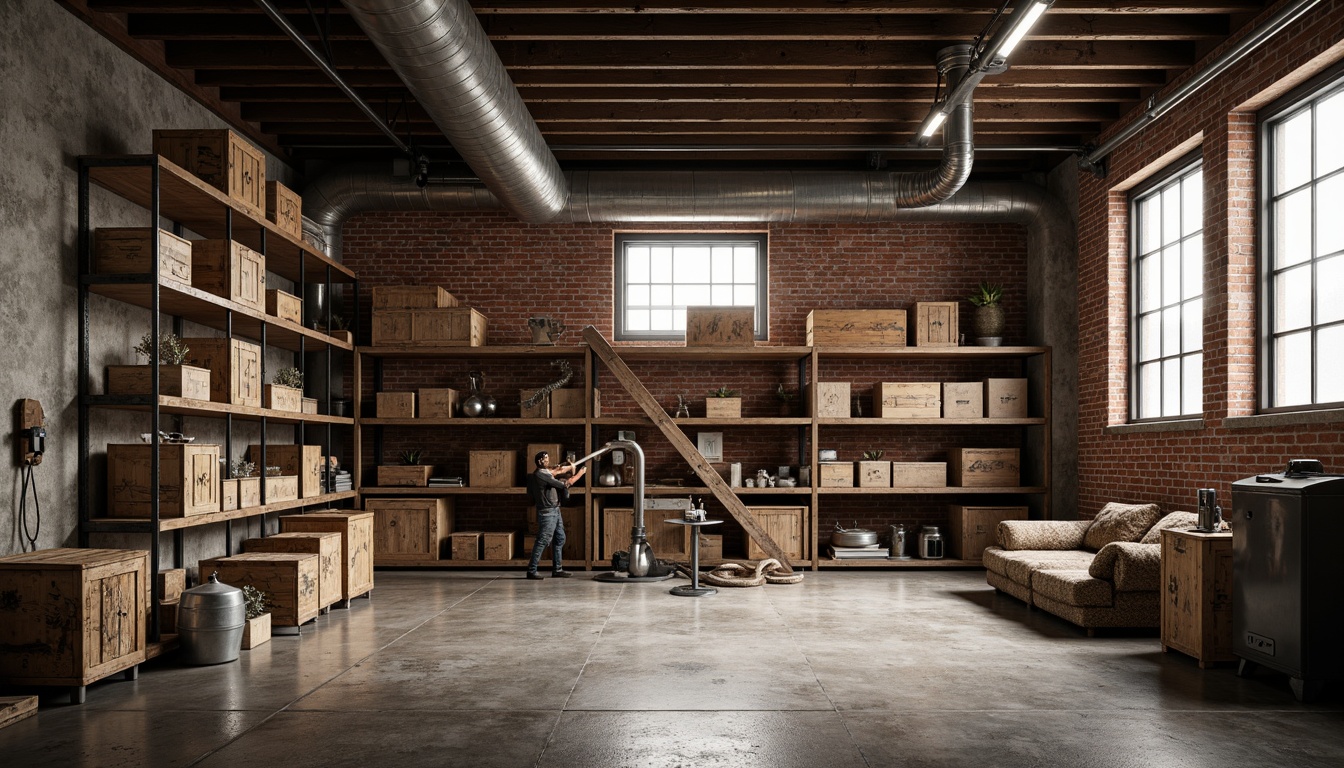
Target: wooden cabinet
1196	592
785	525
971	528
669	541
410	530
72	616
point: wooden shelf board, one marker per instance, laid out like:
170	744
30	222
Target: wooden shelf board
827	562
681	490
422	490
876	422
167	644
514	563
501	351
951	490
183	406
185	199
465	422
928	352
198	306
175	523
743	354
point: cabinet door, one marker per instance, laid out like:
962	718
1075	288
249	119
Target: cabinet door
1182	601
784	525
669	541
116	615
406	531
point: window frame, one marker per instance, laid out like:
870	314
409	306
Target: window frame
621	241
1178	170
1305	96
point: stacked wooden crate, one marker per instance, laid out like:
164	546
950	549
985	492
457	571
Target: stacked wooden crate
417	315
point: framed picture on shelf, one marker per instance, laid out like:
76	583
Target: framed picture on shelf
710	445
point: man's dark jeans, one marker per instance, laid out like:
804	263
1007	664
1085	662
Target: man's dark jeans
550	531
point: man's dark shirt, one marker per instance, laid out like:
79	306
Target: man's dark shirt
546	490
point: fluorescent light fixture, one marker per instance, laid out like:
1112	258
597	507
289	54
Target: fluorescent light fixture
1018	25
932	123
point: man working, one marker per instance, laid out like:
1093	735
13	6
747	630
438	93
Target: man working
548	492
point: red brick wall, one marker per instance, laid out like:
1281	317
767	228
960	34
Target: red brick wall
1167	467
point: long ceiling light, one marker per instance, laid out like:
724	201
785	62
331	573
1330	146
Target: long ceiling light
989	60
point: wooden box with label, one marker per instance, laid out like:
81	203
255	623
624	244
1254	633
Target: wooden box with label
874	474
285	306
290	580
856	327
914	400
492	469
284	207
302	461
356	530
412	297
185	381
1197	595
1006	398
230	270
835	474
963	400
720	326
832	399
327	547
410	530
235	369
465	545
282	398
498	546
936	323
126	251
971	529
985	467
188	480
437	403
394	405
221	158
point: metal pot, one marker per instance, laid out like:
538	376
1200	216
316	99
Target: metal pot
852	537
210	621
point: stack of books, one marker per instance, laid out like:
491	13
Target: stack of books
341	481
445	482
872	551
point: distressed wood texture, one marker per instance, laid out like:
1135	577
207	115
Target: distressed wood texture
412	297
301	461
189	482
410	530
284	207
571	403
963	400
174	380
230	270
126	251
171	582
919	474
16	708
289	580
356	529
285	306
538	410
787	526
835	474
703	469
936	323
325	544
240	493
235	368
498	546
492	469
856	327
1006	398
669	541
1196	591
450	327
282	398
720	327
222	159
401	475
985	467
394	405
256	632
465	545
908	400
438	403
72	616
971	529
874	474
832	399
282	488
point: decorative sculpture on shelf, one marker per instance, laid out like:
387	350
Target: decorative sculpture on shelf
566	375
545	330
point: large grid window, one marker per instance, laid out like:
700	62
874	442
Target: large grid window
658	276
1303	265
1167	297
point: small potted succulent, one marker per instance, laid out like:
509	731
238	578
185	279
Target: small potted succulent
257	629
340	329
874	473
285	392
786	398
989	320
409	473
723	403
175	378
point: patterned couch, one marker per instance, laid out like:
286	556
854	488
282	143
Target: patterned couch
1103	572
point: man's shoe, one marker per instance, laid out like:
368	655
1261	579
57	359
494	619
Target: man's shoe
561	574
534	575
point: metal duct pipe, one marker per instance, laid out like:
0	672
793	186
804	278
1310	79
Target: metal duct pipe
444	57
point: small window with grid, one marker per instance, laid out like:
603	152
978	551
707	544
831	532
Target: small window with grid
659	275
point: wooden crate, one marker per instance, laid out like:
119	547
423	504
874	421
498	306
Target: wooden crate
290	580
557	451
437	403
281	398
569	403
971	529
492	469
466	545
401	475
16	708
720	326
188	480
723	407
498	546
235	369
174	381
785	525
450	327
325	544
356	530
1197	595
409	530
284	207
394	405
171	582
230	270
919	474
412	297
936	323
71	616
669	541
908	400
282	488
1006	398
221	158
985	467
228	495
874	474
309	405
538	410
832	399
711	547
285	306
240	493
963	400
256	632
835	474
126	251
301	461
856	327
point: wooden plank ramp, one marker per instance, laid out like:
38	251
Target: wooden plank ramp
15	708
707	474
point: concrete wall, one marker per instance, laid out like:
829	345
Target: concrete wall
68	92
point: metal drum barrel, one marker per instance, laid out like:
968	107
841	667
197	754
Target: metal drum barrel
210	621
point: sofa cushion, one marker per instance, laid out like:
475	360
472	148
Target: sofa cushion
1131	609
1120	522
1172	520
1072	587
1041	534
1018	566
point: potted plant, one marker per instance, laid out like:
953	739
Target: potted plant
989	320
409	473
340	329
874	473
285	392
723	403
242	489
175	379
257	629
786	399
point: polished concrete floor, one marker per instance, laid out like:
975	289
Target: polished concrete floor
846	669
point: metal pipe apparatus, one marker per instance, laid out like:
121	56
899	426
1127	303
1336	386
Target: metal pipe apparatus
643	565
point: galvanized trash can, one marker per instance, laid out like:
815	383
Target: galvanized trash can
210	621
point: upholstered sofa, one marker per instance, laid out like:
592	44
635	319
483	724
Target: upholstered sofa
1103	572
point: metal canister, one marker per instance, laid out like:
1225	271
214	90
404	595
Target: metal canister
899	542
930	543
210	621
